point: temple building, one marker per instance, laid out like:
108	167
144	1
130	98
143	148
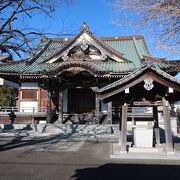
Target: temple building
89	79
66	76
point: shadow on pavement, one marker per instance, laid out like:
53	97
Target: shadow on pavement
128	171
18	141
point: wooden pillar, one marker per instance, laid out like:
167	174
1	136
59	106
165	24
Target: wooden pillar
167	125
120	124
39	99
156	125
60	109
97	108
109	112
19	99
123	138
48	116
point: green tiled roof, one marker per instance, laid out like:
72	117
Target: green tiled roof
35	63
115	67
173	65
133	48
111	67
49	50
15	67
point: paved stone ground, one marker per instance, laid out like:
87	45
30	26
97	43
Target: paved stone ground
63	138
76	156
90	162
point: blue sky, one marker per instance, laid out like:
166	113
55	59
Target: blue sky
99	15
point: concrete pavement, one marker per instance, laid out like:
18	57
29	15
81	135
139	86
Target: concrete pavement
90	162
76	156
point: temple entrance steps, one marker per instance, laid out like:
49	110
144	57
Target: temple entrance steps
100	133
82	129
52	129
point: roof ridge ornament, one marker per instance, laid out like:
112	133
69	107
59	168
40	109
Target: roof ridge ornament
148	83
148	63
84	27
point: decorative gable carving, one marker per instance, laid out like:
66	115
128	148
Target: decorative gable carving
148	84
85	47
84	44
85	52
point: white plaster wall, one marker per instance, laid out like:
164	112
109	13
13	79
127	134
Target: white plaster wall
173	124
27	106
29	85
104	107
4	82
12	84
1	82
177	105
65	100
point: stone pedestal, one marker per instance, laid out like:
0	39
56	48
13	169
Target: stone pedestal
143	137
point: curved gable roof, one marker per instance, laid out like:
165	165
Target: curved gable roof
132	49
85	34
136	77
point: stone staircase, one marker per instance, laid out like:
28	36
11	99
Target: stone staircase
75	128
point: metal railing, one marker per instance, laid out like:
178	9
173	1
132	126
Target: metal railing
23	109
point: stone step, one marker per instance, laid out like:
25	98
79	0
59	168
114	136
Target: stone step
145	150
83	129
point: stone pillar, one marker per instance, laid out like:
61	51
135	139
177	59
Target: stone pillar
156	125
109	113
97	108
123	138
48	116
167	126
60	109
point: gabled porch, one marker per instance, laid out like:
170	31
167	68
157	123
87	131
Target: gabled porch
148	87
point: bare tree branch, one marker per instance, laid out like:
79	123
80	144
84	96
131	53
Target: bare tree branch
16	39
162	15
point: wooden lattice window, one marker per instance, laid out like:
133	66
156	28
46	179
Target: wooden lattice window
29	94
